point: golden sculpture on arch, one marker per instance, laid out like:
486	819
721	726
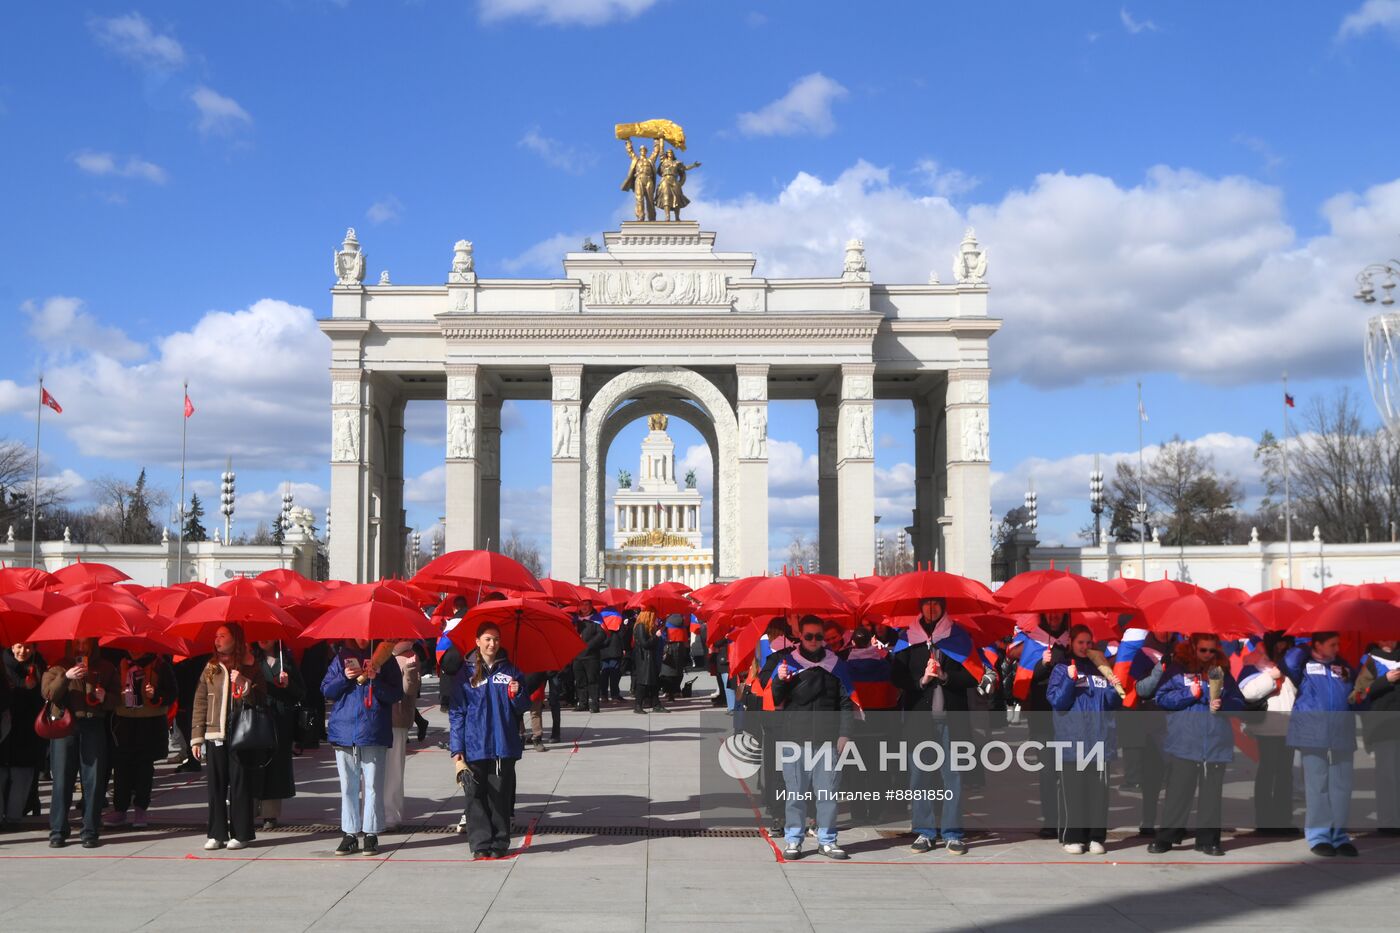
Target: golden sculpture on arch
655	176
653	129
657	422
657	538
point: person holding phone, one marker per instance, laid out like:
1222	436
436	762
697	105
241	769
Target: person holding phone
140	736
285	690
364	687
230	680
485	743
86	684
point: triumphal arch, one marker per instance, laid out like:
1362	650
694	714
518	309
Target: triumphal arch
658	320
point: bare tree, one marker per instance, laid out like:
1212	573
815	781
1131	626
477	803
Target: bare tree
803	552
1184	492
125	510
17	488
524	550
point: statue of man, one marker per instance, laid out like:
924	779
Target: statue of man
641	179
671	178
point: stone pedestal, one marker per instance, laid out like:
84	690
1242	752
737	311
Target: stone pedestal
566	522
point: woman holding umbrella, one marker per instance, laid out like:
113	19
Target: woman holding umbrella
140	736
285	690
231	680
485	739
86	685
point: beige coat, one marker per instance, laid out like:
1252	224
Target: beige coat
211	701
412	684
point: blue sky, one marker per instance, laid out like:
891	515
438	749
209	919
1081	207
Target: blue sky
1176	192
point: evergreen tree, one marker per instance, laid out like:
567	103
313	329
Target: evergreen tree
194	529
279	534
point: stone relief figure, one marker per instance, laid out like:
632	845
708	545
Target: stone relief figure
974	437
690	479
855	266
349	261
754	421
463	265
641	179
490	449
970	263
346	443
671	174
461	433
566	431
860	444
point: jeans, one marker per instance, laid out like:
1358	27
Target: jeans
821	781
361	767
82	753
394	763
1387	753
1327	784
924	813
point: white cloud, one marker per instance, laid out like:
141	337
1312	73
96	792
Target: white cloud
1135	26
805	108
1272	160
257	387
555	154
252	506
1373	14
107	164
132	37
946	183
385	210
62	327
547	256
564	12
219	115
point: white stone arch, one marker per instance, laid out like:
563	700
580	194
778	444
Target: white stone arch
675	408
639	383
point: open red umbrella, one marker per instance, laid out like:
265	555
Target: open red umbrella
196	586
1233	594
249	586
89	573
589	594
536	635
260	620
987	627
417	594
559	592
1368	618
373	620
1125	586
1200	614
1069	593
766	597
614	597
708	592
355	593
904	594
1024	581
1158	590
91	620
1381	592
170	602
101	593
149	638
1276	615
291	585
1305	598
21	613
467	571
661	602
675	586
19	579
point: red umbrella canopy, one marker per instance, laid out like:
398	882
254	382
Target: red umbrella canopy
372	621
1069	593
1125	586
467	571
614	597
674	586
102	593
987	627
1276	615
1368	618
247	586
1232	594
19	579
1305	598
708	592
149	638
89	573
1200	614
260	620
21	613
355	593
590	594
1381	592
1158	590
904	595
1024	581
535	635
559	592
91	620
420	596
661	602
171	602
195	586
777	596
292	585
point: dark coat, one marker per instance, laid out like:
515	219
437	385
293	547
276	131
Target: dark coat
646	656
279	779
1382	722
824	696
22	747
1194	733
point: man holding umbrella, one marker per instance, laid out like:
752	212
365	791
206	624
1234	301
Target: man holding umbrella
588	665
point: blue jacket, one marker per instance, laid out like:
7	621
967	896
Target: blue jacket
484	721
1082	707
352	722
1193	732
1321	716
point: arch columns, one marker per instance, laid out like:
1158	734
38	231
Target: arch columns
753	467
855	471
566	523
463	469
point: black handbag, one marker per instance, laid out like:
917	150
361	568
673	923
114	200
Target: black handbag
254	729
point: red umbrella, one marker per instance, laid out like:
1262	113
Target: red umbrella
1125	586
260	620
373	621
661	602
420	596
1158	590
292	585
904	594
614	597
248	586
559	592
589	594
1024	581
89	573
991	626
674	586
467	571
1069	593
1200	614
171	602
1305	598
1368	618
536	636
149	638
91	620
1381	592
195	586
21	613
19	579
1276	615
1233	594
356	593
776	596
102	593
708	592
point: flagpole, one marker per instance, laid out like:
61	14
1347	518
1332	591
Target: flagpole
184	429
1287	491
34	497
1142	485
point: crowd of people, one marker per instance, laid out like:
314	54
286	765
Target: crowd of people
99	719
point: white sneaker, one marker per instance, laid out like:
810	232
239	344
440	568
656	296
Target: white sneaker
237	844
462	824
1071	848
211	844
1096	848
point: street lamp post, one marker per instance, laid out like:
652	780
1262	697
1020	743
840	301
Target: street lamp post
226	497
1382	339
1096	501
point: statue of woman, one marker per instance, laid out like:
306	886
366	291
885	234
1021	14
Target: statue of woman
671	174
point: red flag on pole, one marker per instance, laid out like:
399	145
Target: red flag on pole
189	406
1288	400
50	401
